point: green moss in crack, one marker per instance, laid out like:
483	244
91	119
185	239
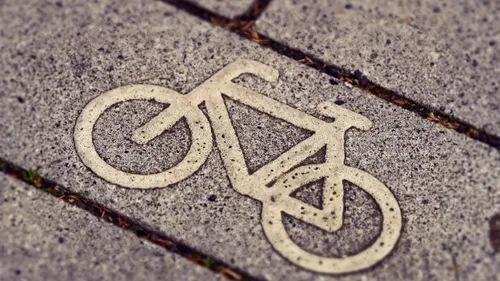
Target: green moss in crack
31	176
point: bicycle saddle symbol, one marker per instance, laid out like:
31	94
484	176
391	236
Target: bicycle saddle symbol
285	172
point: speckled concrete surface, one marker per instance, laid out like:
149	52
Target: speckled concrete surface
441	53
433	172
227	8
43	238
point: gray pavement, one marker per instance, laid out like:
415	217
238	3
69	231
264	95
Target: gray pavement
441	53
225	8
43	238
447	185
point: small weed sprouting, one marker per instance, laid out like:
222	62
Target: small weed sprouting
208	262
64	191
31	176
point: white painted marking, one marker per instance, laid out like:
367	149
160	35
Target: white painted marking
276	199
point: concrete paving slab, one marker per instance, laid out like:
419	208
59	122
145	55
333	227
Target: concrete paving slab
432	171
440	53
227	8
43	238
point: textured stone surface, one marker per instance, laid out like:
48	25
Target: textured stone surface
43	238
434	172
228	8
441	53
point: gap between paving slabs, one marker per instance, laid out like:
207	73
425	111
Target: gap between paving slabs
31	177
243	26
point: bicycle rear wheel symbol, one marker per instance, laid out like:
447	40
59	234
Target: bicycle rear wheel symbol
285	171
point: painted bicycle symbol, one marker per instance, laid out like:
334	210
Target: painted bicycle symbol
285	172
